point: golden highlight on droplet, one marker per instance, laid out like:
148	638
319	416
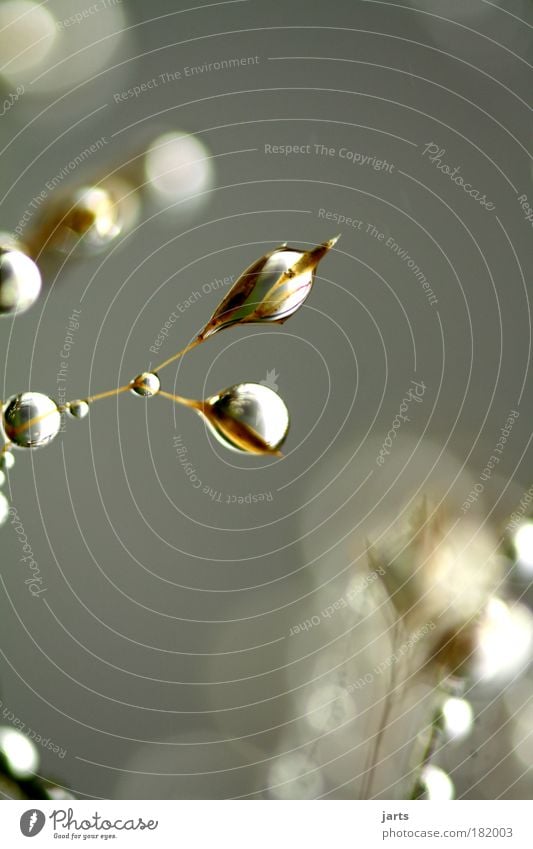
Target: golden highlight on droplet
247	417
272	289
86	220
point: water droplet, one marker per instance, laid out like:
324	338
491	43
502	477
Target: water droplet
31	420
27	35
247	417
20	281
4	508
146	384
271	289
2	478
78	409
504	641
178	166
436	785
20	753
7	460
56	792
457	718
523	545
91	218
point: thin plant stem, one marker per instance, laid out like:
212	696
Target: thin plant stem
432	745
181	353
178	399
119	390
378	737
108	394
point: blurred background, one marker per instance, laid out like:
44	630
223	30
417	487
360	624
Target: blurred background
208	626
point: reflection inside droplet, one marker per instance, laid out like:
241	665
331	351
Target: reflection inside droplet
271	289
290	294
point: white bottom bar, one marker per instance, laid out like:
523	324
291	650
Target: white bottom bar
267	825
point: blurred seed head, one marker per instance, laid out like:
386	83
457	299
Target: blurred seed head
438	570
294	776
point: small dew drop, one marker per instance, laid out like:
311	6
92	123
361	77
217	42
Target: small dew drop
7	460
146	384
78	409
4	508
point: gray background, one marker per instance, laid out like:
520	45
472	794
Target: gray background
161	646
